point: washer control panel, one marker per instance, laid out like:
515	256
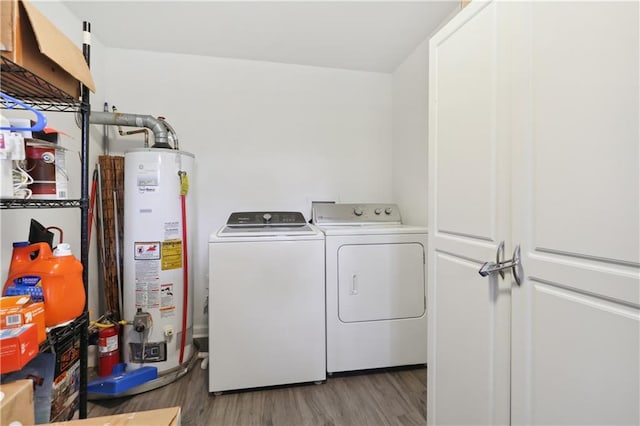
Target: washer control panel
355	214
260	219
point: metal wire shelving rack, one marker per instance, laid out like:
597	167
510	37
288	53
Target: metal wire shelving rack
39	94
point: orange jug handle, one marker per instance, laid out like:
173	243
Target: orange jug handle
43	250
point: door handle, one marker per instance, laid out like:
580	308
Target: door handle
513	263
500	256
489	267
354	285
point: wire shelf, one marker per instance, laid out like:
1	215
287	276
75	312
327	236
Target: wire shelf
22	84
37	93
19	203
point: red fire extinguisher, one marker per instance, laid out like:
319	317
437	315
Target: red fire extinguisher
108	350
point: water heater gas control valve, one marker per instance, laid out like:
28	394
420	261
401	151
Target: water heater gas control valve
142	321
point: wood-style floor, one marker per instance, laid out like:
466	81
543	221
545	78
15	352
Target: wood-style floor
381	397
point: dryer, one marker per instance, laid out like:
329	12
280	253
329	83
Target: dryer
375	286
266	302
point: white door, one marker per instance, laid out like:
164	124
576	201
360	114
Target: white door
468	336
566	86
575	321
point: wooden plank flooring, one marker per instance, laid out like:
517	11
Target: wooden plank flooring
381	397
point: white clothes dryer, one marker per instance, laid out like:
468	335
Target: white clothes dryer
266	302
375	287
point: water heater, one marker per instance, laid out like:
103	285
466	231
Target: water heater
157	295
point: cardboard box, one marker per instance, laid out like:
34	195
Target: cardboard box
30	40
65	399
16	403
40	371
18	346
55	375
15	311
161	417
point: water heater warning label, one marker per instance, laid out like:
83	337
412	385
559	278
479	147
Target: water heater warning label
147	250
148	295
147	274
147	271
167	304
171	254
171	230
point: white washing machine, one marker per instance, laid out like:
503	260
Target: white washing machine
375	287
266	302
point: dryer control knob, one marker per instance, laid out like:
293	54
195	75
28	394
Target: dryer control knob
388	210
378	211
266	217
358	211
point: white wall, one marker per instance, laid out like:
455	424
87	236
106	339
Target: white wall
265	135
410	132
410	135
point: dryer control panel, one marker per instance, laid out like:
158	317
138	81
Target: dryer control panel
355	214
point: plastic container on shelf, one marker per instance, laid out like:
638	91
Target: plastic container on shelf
19	256
60	276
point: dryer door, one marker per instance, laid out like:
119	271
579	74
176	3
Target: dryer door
381	282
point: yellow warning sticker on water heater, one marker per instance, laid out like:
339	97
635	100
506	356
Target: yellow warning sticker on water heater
171	254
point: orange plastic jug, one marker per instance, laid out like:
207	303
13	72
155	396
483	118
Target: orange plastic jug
60	277
20	256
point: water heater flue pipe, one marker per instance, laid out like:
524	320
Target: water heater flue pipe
172	133
158	127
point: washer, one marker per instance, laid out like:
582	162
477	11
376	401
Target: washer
266	302
375	287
